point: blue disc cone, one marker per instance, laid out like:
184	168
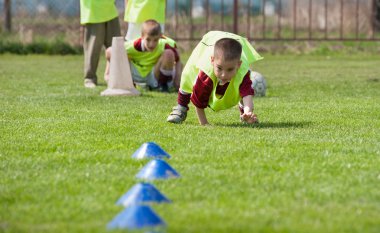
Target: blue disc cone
136	217
150	150
157	169
142	193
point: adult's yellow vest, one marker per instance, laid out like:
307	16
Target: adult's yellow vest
200	59
97	11
137	11
145	61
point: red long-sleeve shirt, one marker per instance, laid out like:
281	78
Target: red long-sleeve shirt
204	86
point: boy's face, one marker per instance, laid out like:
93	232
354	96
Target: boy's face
150	42
225	70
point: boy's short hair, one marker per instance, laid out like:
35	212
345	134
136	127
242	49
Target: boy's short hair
151	28
228	48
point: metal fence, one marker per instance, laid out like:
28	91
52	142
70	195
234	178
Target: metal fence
188	20
277	19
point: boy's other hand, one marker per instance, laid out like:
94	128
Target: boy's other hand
249	118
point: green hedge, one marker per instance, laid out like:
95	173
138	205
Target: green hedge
58	46
55	47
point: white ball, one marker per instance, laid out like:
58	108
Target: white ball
258	83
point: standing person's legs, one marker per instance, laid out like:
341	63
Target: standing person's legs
92	46
112	30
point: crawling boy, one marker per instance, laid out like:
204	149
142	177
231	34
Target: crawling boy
217	75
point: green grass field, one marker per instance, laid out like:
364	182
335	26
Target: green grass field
312	164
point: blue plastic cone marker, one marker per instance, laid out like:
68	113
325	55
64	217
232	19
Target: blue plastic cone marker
142	193
136	217
157	169
150	150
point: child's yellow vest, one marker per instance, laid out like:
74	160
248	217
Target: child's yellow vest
137	11
200	59
98	11
145	61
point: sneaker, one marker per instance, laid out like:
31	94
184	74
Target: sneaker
178	115
89	83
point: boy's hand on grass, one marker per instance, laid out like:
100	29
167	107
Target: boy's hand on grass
249	118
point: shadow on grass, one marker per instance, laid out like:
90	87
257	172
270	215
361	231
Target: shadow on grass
264	125
154	93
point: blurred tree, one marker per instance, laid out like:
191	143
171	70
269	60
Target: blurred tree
7	15
376	14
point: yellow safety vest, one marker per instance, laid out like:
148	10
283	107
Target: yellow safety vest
137	11
145	61
97	11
